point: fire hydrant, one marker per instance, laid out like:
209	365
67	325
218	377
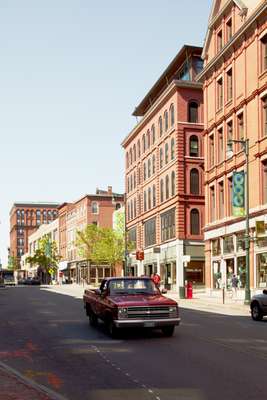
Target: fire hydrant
189	290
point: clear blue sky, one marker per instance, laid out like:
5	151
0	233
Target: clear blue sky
72	71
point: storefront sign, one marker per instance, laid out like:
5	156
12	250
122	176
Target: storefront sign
238	200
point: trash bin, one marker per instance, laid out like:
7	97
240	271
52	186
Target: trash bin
181	292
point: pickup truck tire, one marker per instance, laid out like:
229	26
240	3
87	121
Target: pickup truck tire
168	330
256	312
112	330
92	317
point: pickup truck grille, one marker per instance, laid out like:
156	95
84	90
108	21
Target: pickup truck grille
151	312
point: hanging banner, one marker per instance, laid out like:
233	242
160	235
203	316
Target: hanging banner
238	200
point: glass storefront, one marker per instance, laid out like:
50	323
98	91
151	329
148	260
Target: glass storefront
194	272
230	268
261	270
217	274
241	271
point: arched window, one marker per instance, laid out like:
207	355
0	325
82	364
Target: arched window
144	167
134	152
94	207
172	114
131	182
172	149
134	179
194	222
193	150
161	190
144	143
166	120
160	126
153	164
161	157
167	189
138	149
134	207
154	196
166	153
128	184
149	198
148	139
118	206
149	168
193	112
153	134
127	160
144	201
173	183
131	156
194	181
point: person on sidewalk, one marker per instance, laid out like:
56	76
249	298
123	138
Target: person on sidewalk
156	279
234	282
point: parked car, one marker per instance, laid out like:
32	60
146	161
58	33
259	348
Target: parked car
258	306
131	303
30	281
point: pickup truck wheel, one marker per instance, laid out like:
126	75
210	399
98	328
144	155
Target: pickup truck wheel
256	312
112	330
92	318
168	330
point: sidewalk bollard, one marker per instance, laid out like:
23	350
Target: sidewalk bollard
223	295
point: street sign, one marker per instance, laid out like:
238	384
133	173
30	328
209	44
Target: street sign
260	228
140	255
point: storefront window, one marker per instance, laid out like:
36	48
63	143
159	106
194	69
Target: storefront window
228	244
241	271
217	275
216	247
240	242
229	272
262	270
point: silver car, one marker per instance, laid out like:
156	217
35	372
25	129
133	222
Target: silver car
258	306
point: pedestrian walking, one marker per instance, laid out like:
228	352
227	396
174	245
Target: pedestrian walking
156	279
234	282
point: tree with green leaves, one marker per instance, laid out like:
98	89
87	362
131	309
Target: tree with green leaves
103	245
46	256
13	263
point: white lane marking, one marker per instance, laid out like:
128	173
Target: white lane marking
136	381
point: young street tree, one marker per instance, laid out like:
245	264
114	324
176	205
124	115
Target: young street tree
46	256
103	245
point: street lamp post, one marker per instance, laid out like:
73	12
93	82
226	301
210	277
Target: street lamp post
245	148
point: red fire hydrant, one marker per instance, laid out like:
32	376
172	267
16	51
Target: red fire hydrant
189	290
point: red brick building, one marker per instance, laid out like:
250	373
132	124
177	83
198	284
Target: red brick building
90	209
164	175
25	218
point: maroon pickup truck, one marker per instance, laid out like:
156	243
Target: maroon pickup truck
129	303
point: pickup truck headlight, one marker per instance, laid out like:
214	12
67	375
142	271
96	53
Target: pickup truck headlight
173	310
122	312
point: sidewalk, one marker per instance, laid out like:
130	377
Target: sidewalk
200	300
14	388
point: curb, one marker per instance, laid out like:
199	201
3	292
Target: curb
30	383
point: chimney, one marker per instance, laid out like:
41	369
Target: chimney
110	190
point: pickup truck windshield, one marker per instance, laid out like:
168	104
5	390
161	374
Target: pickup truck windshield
132	286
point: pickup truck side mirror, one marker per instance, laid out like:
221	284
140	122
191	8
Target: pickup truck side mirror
163	291
98	292
264	291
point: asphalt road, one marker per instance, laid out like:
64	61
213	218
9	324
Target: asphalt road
46	337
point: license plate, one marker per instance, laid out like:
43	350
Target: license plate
149	324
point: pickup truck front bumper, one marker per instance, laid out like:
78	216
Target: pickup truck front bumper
151	323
